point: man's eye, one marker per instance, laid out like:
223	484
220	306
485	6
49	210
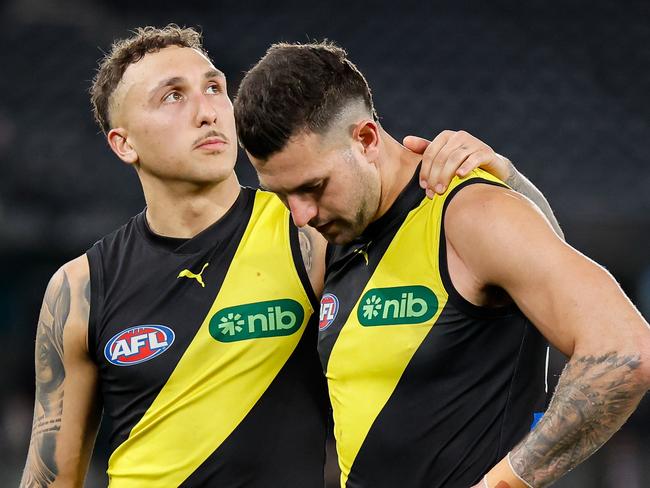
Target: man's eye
213	89
314	187
172	97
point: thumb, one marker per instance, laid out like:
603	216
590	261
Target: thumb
416	144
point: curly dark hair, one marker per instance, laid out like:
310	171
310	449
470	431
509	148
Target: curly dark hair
293	88
125	52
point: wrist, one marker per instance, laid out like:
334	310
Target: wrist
504	476
509	172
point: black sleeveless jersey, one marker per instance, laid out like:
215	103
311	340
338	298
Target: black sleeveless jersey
427	389
206	353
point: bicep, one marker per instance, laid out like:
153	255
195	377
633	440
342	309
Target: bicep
573	301
65	410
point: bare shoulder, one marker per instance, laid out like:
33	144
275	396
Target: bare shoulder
68	293
497	233
312	245
312	248
480	211
78	275
476	201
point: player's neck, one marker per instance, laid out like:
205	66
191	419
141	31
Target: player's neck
396	165
183	210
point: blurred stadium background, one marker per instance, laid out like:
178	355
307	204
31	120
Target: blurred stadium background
562	88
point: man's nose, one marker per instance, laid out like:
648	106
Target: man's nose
206	113
303	209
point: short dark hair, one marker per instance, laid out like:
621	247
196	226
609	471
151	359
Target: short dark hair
125	52
294	88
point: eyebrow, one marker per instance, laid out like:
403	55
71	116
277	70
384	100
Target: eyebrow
304	186
214	73
176	80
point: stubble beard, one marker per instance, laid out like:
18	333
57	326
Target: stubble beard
366	209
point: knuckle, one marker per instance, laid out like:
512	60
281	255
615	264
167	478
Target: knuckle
456	157
446	135
487	154
429	151
438	163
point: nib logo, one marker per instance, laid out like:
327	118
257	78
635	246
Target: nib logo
397	305
257	320
231	324
372	306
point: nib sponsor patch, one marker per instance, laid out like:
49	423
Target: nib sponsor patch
138	344
257	320
397	306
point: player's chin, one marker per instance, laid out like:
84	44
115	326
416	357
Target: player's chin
218	154
215	167
209	176
339	235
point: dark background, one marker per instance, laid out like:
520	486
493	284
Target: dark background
562	88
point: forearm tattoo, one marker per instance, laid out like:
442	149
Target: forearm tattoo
514	178
594	397
41	468
306	248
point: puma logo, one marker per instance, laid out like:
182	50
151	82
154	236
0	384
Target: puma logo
186	273
363	250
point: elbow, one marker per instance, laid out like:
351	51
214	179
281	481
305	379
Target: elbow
641	367
644	366
639	342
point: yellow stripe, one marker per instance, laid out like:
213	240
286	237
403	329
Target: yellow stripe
216	384
366	363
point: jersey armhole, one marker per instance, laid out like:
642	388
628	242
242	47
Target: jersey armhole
96	299
454	296
294	241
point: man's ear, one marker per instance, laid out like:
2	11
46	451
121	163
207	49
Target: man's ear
366	132
119	143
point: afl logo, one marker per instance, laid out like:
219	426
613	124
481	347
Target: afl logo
329	307
138	344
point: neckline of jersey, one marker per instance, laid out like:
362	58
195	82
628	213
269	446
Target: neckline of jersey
408	199
221	230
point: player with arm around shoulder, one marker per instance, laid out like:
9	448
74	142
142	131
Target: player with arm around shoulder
490	263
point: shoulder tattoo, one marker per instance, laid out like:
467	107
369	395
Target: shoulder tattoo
306	248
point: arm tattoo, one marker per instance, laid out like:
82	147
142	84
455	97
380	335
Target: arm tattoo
85	305
523	185
41	468
306	248
594	397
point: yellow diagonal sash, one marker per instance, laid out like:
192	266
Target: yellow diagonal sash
215	384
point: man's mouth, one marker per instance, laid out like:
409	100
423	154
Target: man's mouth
211	143
324	228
